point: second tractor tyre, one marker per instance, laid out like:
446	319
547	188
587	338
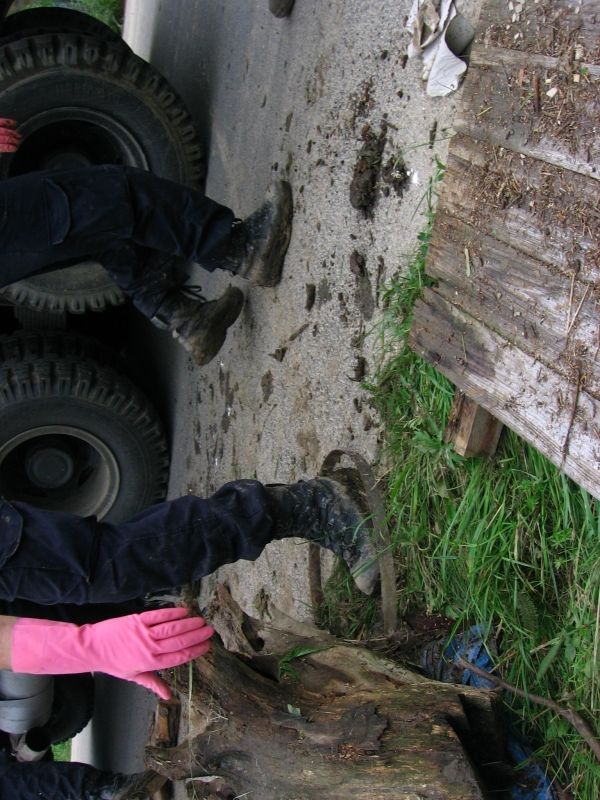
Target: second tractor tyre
81	100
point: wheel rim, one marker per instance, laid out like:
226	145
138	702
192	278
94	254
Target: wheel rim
60	467
71	137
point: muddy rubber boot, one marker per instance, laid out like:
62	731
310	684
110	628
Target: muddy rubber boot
199	325
139	786
260	242
281	8
323	511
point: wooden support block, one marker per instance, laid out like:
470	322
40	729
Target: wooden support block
166	723
471	429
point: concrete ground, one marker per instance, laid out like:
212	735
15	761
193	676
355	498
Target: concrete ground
292	98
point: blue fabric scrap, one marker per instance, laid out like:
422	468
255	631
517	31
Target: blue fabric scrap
439	661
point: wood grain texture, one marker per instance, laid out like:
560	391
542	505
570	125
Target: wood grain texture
558	417
515	250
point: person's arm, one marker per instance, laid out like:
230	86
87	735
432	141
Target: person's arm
10	138
130	647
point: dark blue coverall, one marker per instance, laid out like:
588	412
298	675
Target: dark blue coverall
136	224
49	559
49	780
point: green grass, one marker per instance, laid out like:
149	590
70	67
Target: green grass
108	11
62	751
508	541
286	662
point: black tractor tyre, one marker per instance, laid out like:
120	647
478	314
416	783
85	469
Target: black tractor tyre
27	345
77	436
84	287
32	21
72	707
81	100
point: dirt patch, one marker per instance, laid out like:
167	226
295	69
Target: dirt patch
363	187
266	385
308	444
395	174
364	293
311	295
557	201
363	101
560	104
323	292
229	394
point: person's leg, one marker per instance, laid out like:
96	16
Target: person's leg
54	217
62	558
181	221
138	225
34	222
146	276
176	219
155	283
172	222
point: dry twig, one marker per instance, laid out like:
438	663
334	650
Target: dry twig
572	717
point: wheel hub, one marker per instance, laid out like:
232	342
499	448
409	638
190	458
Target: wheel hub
49	467
60	468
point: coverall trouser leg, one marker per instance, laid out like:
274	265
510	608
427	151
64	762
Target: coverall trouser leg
54	558
48	780
137	224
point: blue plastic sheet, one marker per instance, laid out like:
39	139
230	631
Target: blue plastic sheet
439	661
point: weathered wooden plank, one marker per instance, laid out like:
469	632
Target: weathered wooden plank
546	212
471	429
560	418
487	55
552	28
537	308
542	107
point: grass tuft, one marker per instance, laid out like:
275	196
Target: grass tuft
108	11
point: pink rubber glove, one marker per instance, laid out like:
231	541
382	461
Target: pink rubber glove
129	647
10	139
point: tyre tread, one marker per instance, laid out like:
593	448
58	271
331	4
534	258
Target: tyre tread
75	50
98	385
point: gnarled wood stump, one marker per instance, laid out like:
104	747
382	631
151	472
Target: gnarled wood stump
337	722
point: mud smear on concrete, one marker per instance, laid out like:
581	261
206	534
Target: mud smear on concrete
308	442
323	291
363	101
279	354
229	396
197	428
364	293
266	384
363	187
361	369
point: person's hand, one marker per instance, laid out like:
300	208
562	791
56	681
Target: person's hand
10	138
130	647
